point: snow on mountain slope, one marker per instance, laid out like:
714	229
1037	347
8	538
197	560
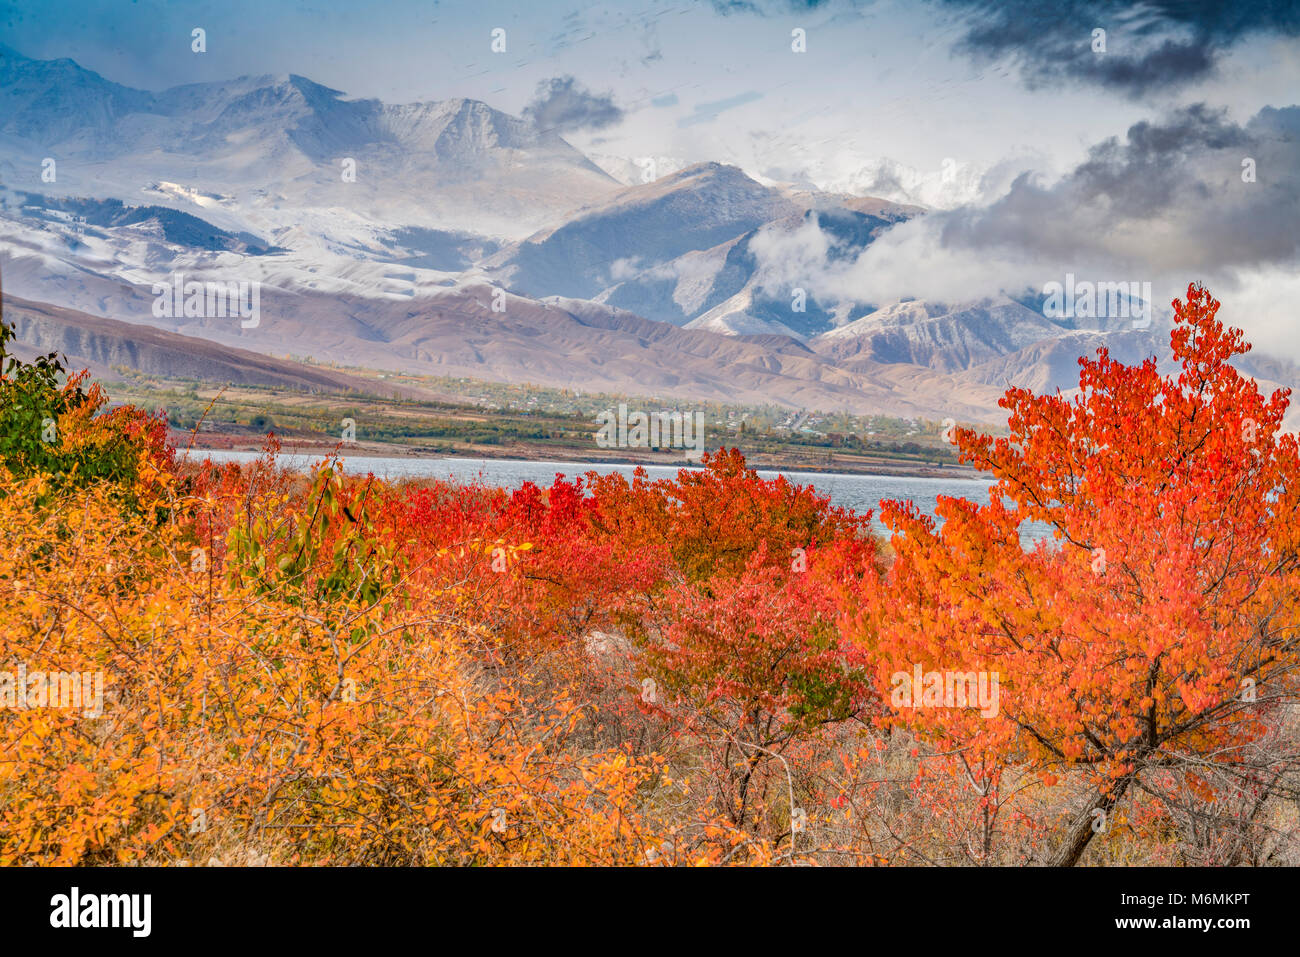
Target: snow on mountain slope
58	102
278	144
1051	364
100	269
735	317
938	336
638	228
650	249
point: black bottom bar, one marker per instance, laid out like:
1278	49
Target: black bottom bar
933	907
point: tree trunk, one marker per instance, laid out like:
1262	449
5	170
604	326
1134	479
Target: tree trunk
1077	842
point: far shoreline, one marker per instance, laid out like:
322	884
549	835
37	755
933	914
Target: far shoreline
520	453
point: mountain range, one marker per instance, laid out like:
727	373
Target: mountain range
450	238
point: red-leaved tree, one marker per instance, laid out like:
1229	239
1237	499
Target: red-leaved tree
1150	649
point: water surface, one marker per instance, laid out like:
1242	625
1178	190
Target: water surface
856	492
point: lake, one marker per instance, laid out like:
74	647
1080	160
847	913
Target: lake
856	492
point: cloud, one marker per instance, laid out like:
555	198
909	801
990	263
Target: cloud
1171	195
1169	203
1152	46
952	184
562	104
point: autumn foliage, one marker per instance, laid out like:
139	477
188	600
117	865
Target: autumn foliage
1151	646
328	668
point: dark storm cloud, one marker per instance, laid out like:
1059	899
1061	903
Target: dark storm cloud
1150	46
563	104
1180	179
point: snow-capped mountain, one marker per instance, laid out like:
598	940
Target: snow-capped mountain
450	237
680	250
637	230
280	147
938	336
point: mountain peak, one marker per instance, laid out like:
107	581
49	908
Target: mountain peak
51	101
463	104
719	171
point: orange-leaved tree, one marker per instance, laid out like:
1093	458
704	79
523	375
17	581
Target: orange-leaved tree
1152	645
